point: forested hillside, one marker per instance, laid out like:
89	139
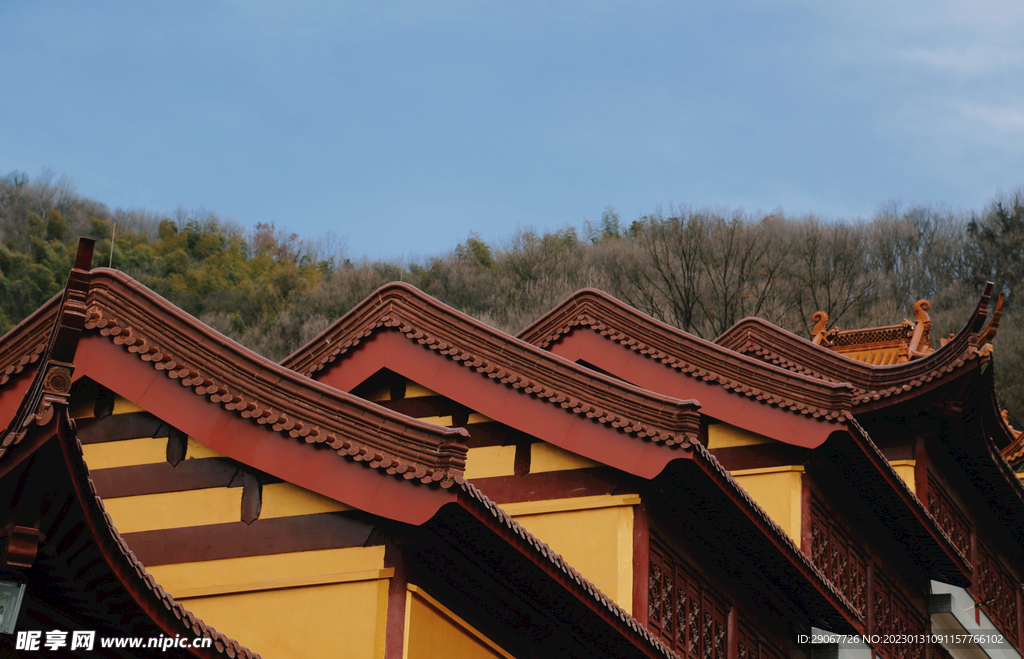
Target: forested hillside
698	269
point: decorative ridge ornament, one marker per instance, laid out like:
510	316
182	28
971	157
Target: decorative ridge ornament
52	383
820	319
760	339
879	346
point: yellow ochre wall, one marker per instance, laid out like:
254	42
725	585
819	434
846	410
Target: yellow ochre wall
326	603
432	631
722	435
905	469
310	591
594	533
778	490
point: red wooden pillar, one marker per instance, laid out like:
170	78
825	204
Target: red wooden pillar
641	563
397	597
732	648
805	514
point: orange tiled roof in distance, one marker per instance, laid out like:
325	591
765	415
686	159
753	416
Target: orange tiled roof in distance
879	346
760	339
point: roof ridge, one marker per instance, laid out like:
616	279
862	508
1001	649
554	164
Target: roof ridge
26	341
354	428
502	357
760	338
769	384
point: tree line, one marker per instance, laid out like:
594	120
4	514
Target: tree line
699	269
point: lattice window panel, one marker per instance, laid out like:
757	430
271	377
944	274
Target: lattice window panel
682	610
751	645
838	557
949	517
895	616
997	591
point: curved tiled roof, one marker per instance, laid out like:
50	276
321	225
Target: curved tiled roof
688	354
228	374
43	415
506	359
21	346
710	362
133	317
760	339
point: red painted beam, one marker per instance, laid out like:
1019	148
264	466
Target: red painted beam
313	467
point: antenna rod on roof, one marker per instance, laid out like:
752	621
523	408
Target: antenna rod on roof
113	231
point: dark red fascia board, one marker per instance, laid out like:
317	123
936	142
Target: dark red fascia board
365	351
103	361
554	424
254	388
216	367
296	462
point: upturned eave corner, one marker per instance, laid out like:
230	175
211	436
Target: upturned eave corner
873	385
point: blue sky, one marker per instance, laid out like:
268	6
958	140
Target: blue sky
401	127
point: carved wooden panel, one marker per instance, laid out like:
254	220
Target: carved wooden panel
894	616
949	517
997	593
842	561
751	645
682	609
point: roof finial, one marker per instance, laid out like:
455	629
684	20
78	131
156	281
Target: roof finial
820	319
921	308
989	335
921	340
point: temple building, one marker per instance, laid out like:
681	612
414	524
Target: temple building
415	483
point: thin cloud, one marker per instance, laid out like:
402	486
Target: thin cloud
1005	120
971	61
